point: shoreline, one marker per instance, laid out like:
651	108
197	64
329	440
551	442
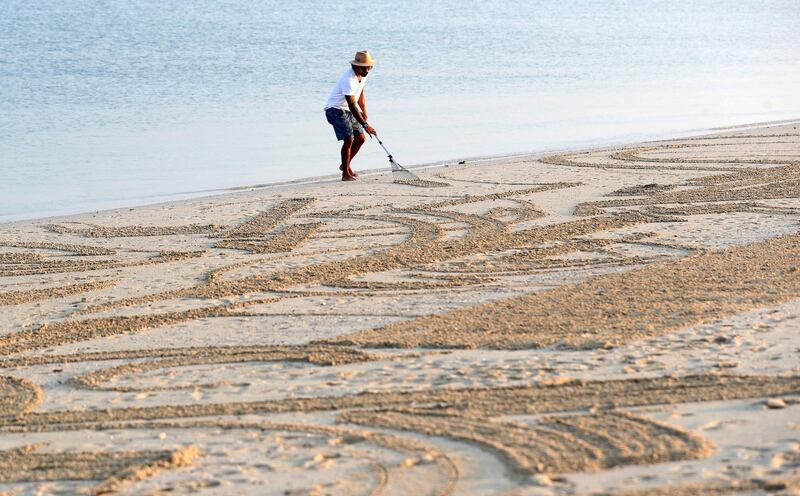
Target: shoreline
590	145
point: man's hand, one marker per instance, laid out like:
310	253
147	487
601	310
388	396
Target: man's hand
371	130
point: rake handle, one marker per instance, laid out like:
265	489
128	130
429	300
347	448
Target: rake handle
383	146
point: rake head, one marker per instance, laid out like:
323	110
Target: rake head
401	172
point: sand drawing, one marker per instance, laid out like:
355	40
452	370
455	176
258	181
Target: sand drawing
133	231
421	183
620	159
264	222
744	486
45	265
639	155
72	249
284	240
555	445
472	402
613	309
19	297
586	442
113	470
348	293
342	441
18	395
76	330
317	355
643	190
256	235
762	184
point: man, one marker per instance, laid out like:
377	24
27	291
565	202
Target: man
346	110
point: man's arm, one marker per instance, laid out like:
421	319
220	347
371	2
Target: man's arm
362	103
351	102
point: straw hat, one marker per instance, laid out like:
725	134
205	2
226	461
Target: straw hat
363	59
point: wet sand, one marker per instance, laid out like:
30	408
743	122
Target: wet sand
608	321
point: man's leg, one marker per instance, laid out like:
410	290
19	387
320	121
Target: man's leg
358	140
347	144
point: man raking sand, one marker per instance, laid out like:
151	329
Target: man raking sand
346	110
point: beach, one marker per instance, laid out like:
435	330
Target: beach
612	320
112	104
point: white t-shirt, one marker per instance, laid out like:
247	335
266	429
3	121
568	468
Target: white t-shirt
348	84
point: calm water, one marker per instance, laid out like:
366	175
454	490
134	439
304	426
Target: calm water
118	102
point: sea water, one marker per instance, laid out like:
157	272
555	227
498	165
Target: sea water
119	102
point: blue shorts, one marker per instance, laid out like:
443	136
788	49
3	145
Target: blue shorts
343	122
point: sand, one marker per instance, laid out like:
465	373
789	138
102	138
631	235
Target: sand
610	321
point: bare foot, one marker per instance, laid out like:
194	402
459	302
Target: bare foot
345	177
349	171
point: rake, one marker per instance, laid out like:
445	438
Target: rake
398	169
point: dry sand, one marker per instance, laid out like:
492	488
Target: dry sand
611	321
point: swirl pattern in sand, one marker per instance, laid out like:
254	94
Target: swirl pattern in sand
519	326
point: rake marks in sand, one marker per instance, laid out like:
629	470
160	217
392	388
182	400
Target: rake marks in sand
421	183
750	185
57	266
27	296
346	442
113	469
72	249
134	230
633	158
612	309
263	223
448	249
574	443
471	402
72	331
18	396
582	441
182	357
285	240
